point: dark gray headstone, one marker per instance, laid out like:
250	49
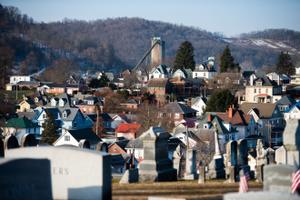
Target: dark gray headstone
102	146
156	165
216	168
10	142
25	179
75	173
242	152
28	140
130	176
1	148
84	144
278	177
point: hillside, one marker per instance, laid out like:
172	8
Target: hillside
116	44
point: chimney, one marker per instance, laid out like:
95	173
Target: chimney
230	112
209	118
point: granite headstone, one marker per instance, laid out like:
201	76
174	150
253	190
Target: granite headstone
75	173
24	178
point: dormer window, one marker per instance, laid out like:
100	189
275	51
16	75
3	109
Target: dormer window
53	102
65	113
258	83
61	103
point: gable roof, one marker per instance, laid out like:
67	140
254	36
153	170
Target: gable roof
175	107
86	133
128	128
161	68
22	122
286	100
264	110
238	117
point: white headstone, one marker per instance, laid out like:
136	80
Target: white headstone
75	173
280	155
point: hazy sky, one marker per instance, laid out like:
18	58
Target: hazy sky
229	17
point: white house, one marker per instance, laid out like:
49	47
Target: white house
15	79
205	70
179	73
262	90
199	104
84	138
161	71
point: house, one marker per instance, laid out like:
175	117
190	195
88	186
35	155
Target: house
19	127
79	138
262	90
26	105
118	147
269	119
285	103
13	80
199	104
130	104
182	73
160	71
293	112
226	80
52	88
160	87
296	78
90	104
244	124
281	79
127	130
178	112
205	70
118	119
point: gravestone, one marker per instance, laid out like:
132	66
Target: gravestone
25	179
177	159
259	169
261	158
216	166
231	153
1	148
190	165
291	141
242	152
102	146
278	177
28	140
84	144
130	176
156	165
280	155
231	161
201	178
75	173
270	155
10	142
232	174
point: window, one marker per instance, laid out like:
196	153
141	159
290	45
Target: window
74	124
259	90
177	116
67	138
254	90
267	90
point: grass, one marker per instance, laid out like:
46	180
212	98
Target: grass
180	189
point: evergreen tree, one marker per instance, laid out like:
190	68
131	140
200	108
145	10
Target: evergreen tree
284	64
97	83
49	134
185	57
219	101
227	62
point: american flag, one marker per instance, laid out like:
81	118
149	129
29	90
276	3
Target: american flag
244	182
295	181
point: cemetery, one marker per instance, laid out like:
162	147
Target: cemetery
28	171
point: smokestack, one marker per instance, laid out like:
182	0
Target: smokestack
209	118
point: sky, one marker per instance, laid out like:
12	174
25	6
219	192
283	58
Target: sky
229	17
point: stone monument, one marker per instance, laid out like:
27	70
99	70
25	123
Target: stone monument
25	179
231	161
156	165
261	160
190	165
216	166
291	141
280	155
75	173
